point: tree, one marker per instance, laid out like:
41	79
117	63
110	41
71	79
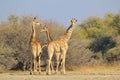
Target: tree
13	19
116	22
102	44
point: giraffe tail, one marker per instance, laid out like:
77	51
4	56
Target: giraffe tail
45	45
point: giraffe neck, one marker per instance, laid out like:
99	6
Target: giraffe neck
69	32
48	36
33	33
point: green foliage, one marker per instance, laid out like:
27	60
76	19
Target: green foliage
13	19
102	44
113	54
116	22
108	19
92	22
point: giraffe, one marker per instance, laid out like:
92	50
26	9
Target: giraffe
49	38
59	47
36	49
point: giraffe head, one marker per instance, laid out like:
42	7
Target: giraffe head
45	28
35	21
73	21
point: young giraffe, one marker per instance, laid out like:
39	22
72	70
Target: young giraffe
60	47
36	49
49	38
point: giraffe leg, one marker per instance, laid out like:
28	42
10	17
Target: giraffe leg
35	65
48	67
39	62
31	65
63	61
50	55
52	68
34	59
48	71
57	59
39	52
63	65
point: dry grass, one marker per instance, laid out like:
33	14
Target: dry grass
104	72
105	68
69	76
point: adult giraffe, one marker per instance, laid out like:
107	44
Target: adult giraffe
59	47
36	49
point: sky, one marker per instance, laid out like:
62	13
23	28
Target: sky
60	11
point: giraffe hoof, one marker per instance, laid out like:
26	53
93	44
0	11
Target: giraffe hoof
48	73
31	73
39	73
53	71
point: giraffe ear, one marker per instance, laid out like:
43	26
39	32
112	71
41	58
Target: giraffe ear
35	18
76	20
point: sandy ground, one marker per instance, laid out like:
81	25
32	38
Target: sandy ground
68	76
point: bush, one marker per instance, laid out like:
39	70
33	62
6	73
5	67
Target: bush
14	42
102	44
78	54
113	54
